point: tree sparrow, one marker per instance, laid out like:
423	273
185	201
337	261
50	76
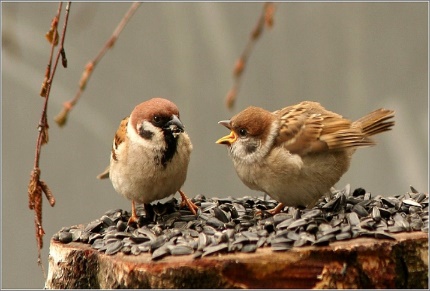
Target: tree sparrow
150	155
296	154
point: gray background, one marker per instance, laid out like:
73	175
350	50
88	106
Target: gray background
351	57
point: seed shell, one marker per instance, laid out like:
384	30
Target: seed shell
226	225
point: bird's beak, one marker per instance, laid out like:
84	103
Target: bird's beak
228	139
175	125
226	123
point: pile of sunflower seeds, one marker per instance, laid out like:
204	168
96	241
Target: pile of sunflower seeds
225	225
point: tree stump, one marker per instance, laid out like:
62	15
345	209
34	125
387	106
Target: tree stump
356	263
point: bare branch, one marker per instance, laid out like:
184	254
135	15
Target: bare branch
266	19
61	117
36	186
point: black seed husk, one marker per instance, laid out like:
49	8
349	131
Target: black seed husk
226	225
65	237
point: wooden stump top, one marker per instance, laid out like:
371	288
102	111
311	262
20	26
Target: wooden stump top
356	263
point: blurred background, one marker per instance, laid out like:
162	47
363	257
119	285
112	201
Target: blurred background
351	57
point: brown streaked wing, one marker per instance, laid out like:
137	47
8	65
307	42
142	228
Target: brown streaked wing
120	136
300	130
309	128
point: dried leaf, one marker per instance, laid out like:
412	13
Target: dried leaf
47	192
44	133
37	199
33	187
44	87
52	34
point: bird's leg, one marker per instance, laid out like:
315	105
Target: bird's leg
149	211
277	209
133	218
187	202
273	211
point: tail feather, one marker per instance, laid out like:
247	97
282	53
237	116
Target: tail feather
104	175
375	122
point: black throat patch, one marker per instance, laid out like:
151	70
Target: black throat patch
171	145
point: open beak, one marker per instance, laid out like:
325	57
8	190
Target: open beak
228	139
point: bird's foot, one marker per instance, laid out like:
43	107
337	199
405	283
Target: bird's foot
277	209
187	202
133	220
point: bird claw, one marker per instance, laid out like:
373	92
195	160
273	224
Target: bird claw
133	220
188	203
277	209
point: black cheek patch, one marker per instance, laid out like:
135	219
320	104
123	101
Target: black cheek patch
251	147
146	134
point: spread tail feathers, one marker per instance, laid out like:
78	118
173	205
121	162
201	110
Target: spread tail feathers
376	122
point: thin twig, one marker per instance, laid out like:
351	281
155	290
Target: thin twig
61	118
36	186
266	19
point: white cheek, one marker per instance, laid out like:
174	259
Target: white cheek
156	141
240	153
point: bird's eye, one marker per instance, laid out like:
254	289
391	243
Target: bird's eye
156	119
242	132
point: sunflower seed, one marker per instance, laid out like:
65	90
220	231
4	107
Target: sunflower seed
383	235
232	225
312	213
93	237
249	248
281	246
209	230
214	249
298	223
353	218
94	226
376	214
76	234
179	250
98	244
360	210
411	202
114	247
160	253
65	237
202	241
221	215
261	242
215	222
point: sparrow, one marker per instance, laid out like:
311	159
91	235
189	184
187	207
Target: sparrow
150	155
296	154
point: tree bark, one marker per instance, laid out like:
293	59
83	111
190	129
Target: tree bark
357	263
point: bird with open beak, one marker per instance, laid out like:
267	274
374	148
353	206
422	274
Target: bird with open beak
296	154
